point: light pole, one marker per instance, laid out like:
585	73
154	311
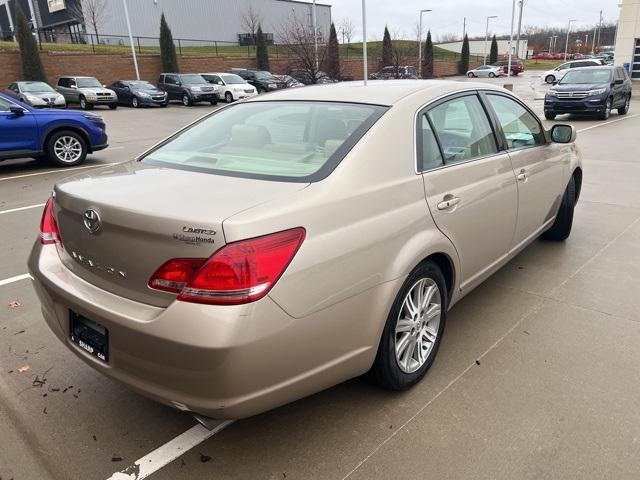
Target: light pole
521	4
566	45
555	40
420	41
133	49
486	38
513	19
364	41
315	34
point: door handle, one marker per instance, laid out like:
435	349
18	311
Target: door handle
448	202
522	176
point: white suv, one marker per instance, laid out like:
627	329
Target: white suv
560	71
230	86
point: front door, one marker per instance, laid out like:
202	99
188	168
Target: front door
18	132
469	184
538	166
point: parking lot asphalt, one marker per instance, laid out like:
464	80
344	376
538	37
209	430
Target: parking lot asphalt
537	375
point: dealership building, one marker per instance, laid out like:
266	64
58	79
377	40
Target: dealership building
627	50
206	20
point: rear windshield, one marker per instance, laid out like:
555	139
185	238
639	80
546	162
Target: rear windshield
587	76
296	141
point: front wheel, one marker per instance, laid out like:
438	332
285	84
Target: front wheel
561	228
414	329
550	79
214	102
623	110
135	103
228	97
607	110
84	105
113	106
186	100
549	116
66	148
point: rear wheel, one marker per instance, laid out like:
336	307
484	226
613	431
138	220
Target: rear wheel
623	110
561	228
66	148
413	331
550	79
492	75
470	75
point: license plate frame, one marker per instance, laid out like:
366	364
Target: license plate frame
89	336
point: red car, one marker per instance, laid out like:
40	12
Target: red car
516	66
543	56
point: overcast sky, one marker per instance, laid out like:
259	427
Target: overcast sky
401	15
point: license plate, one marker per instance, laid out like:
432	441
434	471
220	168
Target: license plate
90	336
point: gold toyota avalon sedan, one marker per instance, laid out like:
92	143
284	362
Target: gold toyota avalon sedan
282	245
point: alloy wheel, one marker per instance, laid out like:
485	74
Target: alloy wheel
134	102
185	100
67	149
418	325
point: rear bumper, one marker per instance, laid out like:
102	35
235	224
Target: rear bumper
220	361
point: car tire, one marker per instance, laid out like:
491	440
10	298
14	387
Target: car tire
164	105
84	105
398	370
549	116
135	103
186	100
470	75
627	103
113	106
550	79
75	154
607	110
228	97
492	75
213	102
561	228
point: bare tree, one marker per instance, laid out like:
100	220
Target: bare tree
90	12
448	37
403	52
346	29
297	40
250	19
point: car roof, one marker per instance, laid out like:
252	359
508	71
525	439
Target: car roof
595	67
376	92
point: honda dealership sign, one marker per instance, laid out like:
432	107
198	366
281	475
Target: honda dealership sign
56	5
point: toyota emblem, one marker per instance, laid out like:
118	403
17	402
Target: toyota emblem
92	220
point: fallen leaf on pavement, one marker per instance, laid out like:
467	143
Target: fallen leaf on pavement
14	304
24	369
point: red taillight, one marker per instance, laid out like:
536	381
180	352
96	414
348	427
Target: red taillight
240	272
49	232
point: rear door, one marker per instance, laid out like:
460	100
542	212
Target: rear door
469	184
18	133
538	167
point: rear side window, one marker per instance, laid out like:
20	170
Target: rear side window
463	129
429	154
285	141
4	105
520	127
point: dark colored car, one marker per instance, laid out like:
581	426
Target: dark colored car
517	66
64	137
189	88
138	93
305	76
590	90
263	81
391	72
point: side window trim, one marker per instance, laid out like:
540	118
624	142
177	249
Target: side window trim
433	104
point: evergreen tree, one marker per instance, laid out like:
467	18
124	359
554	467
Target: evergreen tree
167	48
427	57
387	49
463	66
262	53
32	68
333	54
493	52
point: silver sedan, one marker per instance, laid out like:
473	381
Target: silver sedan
36	94
485	71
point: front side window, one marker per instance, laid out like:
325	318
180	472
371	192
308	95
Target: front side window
520	127
463	129
285	141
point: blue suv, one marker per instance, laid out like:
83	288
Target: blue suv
64	137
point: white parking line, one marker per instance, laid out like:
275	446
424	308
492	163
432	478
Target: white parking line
59	170
609	122
2	212
168	452
17	278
